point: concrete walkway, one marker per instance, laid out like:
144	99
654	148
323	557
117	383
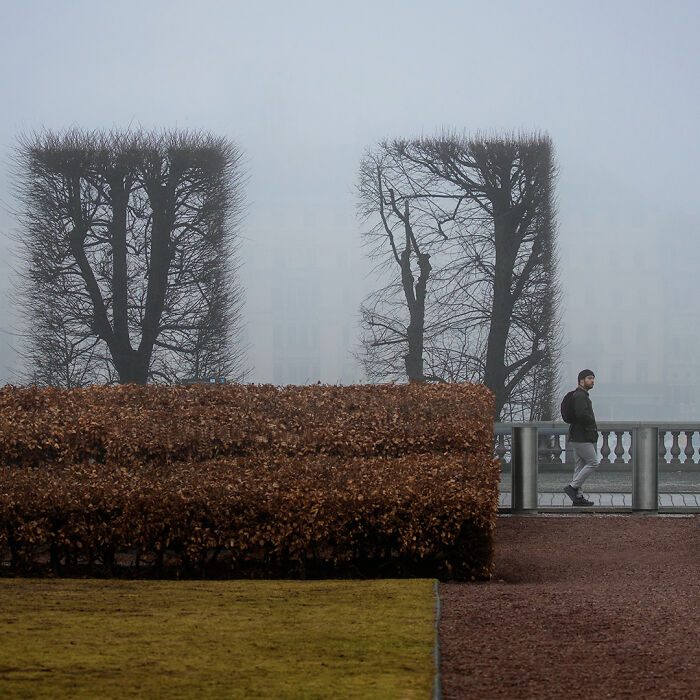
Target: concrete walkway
549	499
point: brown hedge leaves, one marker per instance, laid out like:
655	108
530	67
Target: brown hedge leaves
245	480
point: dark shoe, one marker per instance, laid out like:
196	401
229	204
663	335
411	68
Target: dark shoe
571	492
581	501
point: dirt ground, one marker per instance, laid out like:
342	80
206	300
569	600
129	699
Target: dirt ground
586	606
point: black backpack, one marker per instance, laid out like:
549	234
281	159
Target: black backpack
567	407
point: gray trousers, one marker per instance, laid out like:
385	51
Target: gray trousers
585	462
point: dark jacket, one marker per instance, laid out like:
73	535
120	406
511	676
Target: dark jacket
584	428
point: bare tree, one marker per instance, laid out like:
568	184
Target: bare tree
129	250
490	309
407	225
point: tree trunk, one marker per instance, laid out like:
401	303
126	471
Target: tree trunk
505	253
119	197
159	267
415	299
126	362
132	366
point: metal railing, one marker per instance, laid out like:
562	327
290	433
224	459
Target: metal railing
644	448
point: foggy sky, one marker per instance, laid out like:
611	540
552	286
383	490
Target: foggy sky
304	88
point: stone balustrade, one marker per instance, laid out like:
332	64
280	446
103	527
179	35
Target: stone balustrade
677	450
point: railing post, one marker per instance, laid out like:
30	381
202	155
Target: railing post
645	470
524	468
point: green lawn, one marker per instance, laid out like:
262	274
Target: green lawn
70	638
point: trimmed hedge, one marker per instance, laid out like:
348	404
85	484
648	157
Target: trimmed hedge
158	425
233	480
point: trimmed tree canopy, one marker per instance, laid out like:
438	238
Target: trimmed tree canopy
129	242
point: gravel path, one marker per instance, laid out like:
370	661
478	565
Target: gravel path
589	606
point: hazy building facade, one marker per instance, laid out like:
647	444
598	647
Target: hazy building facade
631	313
302	307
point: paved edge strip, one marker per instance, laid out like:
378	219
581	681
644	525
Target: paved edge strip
599	510
437	683
590	512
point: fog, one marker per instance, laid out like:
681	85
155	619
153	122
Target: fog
304	88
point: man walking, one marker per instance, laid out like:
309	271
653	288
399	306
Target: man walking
583	438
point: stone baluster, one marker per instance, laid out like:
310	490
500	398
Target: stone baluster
689	449
662	446
543	451
619	449
605	448
557	449
501	449
675	447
